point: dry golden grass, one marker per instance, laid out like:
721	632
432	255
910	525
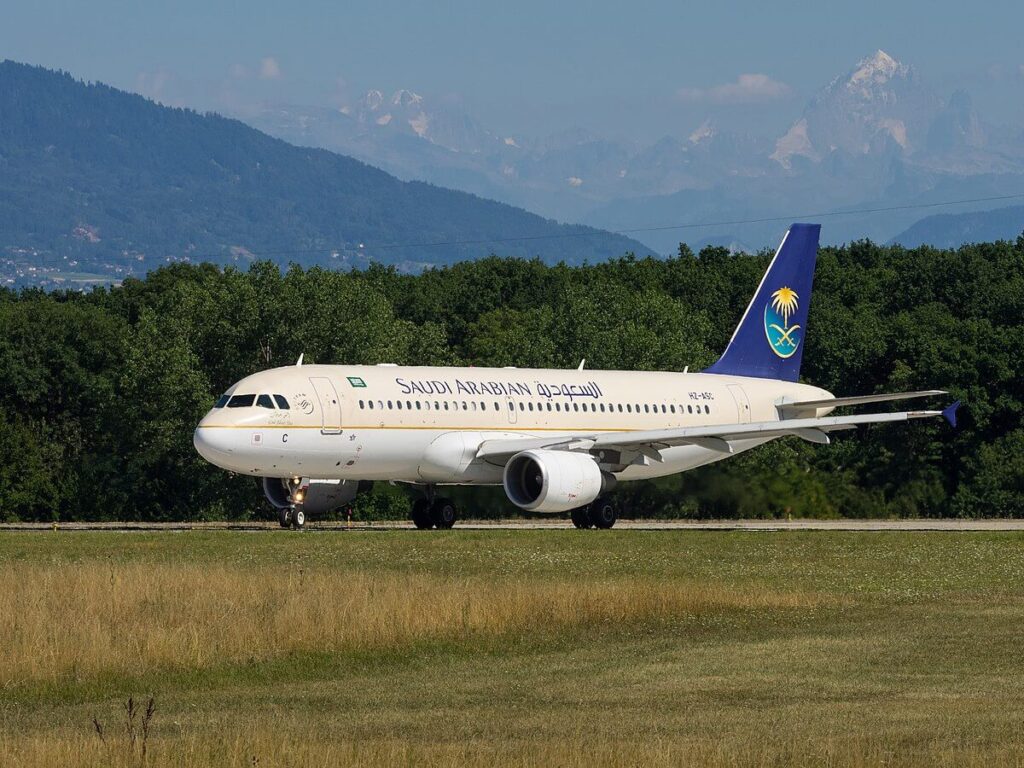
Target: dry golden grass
83	619
516	648
266	748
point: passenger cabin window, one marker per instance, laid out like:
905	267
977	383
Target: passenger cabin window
282	403
264	401
222	401
241	401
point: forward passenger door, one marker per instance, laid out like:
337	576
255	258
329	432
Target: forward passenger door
330	405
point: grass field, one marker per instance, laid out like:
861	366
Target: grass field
567	648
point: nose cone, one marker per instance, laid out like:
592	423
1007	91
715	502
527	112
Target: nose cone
213	443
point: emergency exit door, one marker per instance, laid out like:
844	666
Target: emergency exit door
330	405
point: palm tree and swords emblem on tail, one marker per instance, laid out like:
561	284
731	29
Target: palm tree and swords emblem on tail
782	336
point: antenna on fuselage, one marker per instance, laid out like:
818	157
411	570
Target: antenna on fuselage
299	361
582	363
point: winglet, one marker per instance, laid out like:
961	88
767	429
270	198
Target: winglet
949	412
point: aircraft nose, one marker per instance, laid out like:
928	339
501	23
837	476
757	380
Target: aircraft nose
212	443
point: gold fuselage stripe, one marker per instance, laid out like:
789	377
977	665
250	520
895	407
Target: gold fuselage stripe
505	428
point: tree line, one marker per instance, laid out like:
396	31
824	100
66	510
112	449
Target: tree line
101	391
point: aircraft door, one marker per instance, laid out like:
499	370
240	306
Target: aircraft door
739	395
510	407
330	405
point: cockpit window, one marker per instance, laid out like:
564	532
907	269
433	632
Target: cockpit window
241	401
222	402
264	401
281	402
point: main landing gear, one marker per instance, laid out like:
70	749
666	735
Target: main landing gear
433	512
600	513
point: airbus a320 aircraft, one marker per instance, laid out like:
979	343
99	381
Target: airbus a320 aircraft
557	440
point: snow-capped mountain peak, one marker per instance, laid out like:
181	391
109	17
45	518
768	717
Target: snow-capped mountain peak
702	132
404	98
878	106
877	68
373	100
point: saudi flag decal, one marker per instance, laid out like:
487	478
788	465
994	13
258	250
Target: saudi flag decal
355	381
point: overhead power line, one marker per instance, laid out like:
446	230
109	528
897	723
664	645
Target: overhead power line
633	230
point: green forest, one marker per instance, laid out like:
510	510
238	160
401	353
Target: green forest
101	391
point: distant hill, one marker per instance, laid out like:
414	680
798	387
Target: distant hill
98	182
951	230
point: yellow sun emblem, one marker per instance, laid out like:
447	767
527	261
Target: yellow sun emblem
784	301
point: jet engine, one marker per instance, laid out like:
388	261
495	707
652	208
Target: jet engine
554	481
319	497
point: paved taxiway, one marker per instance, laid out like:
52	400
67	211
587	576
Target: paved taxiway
557	524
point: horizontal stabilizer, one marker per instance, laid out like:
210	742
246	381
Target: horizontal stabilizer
840	402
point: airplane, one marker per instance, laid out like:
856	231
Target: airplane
557	440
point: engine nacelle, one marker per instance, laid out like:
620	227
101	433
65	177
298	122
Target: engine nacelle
554	481
319	496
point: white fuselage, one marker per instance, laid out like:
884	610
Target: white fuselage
424	425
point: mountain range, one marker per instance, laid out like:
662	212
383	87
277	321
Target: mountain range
875	136
97	184
950	230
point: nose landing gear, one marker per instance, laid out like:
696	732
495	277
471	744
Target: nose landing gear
293	516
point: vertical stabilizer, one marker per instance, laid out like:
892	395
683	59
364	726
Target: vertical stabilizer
769	341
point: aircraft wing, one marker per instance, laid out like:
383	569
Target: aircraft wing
719	438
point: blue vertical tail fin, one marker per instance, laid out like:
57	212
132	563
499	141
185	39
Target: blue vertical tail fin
769	341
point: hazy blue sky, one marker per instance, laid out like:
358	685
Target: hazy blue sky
637	69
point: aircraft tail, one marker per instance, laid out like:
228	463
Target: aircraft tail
768	342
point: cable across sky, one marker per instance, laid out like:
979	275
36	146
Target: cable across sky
368	247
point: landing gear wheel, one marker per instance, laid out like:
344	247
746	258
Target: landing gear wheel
421	514
442	513
284	517
602	513
580	517
298	518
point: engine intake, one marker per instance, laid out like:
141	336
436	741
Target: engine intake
554	481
